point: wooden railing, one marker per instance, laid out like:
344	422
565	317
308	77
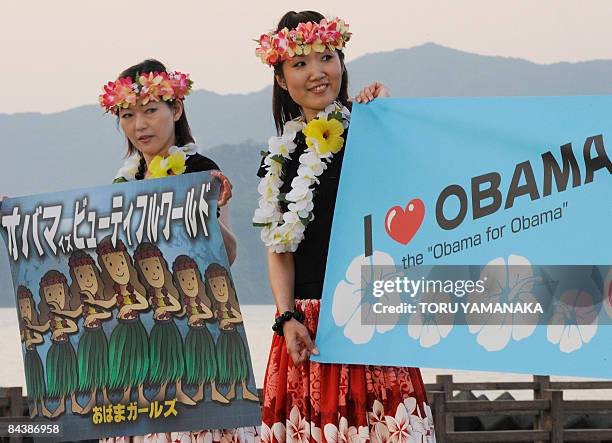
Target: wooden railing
548	408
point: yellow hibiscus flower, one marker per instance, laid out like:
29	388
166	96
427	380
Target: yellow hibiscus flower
171	165
327	133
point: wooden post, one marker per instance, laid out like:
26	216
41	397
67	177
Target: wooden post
439	404
16	401
556	416
541	392
447	387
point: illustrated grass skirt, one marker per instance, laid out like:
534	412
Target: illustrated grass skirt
166	361
61	369
232	359
200	358
321	402
34	374
92	359
128	352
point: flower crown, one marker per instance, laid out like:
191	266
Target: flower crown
76	261
149	253
23	293
107	247
154	86
52	280
184	264
276	47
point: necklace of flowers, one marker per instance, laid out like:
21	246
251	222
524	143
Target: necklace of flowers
172	164
283	232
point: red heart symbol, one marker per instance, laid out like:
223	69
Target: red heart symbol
402	225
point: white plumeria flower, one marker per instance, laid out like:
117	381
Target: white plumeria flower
281	146
293	127
345	434
400	429
505	282
277	432
350	298
130	167
429	329
315	433
380	433
157	437
297	428
574	321
313	161
377	415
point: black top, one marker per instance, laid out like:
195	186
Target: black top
310	257
199	163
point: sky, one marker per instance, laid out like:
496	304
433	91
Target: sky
58	54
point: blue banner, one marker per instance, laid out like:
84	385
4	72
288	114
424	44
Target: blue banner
474	233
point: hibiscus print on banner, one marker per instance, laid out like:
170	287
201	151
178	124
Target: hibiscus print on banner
505	282
429	329
351	298
574	321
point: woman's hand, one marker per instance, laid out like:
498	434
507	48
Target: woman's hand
298	342
372	91
225	192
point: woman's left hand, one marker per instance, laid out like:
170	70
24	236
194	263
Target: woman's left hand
372	91
226	188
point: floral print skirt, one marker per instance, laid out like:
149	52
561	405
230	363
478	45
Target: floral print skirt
321	402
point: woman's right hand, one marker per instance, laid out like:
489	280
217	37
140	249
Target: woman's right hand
298	342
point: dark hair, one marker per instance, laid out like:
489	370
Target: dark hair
181	126
283	106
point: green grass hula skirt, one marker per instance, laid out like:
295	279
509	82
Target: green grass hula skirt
166	353
92	359
35	375
61	369
232	359
200	359
128	353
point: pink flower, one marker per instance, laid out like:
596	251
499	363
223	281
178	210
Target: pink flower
118	94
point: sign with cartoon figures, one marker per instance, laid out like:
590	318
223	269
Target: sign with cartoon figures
129	320
471	233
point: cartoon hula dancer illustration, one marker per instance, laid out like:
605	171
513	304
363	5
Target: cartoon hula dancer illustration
59	311
128	348
92	353
167	364
34	372
200	358
232	357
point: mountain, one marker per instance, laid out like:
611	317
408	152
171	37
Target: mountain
82	147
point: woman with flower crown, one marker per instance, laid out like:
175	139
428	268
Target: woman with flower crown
306	400
148	102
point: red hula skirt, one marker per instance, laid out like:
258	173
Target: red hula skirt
340	403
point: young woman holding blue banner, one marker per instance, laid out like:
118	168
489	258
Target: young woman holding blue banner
306	400
148	102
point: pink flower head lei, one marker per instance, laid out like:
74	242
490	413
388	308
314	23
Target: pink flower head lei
149	86
276	47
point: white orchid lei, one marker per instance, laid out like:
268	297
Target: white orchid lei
130	166
283	232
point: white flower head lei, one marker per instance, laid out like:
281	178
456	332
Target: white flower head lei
283	232
130	166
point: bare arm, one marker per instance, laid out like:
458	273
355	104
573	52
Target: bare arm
281	272
106	304
229	239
